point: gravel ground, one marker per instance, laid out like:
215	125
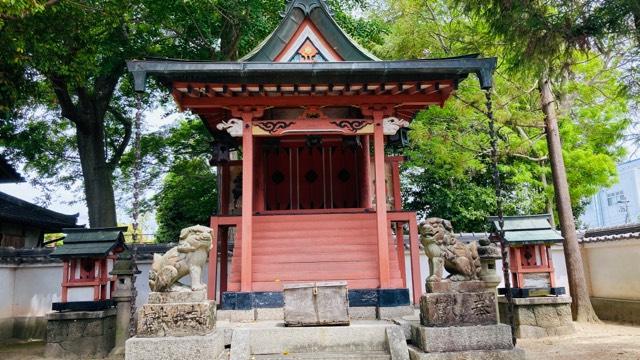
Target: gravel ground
604	341
590	342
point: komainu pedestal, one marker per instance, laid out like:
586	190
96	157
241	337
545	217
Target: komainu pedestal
458	319
464	303
177	314
178	322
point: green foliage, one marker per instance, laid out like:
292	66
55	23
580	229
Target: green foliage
449	173
188	197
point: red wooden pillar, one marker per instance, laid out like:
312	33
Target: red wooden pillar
224	188
381	200
224	251
247	204
65	280
416	276
366	172
397	206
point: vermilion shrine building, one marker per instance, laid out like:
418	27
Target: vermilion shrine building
311	112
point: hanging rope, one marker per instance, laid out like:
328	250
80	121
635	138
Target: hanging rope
136	207
504	248
136	168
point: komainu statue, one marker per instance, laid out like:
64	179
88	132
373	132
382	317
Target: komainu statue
187	258
445	251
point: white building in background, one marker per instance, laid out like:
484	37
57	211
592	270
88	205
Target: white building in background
619	204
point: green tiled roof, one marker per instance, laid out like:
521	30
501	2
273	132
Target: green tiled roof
89	242
528	229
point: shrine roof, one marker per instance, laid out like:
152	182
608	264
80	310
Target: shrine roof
8	173
320	16
90	242
14	210
528	229
168	71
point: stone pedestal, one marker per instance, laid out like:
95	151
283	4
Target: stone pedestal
80	334
538	317
316	304
177	314
463	303
176	325
458	320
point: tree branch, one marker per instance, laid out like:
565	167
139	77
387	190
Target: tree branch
127	124
68	107
26	12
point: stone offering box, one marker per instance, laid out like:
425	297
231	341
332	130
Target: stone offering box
529	239
316	304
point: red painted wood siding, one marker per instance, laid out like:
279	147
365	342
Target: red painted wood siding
319	247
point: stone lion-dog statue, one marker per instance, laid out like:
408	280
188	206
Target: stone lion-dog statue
187	258
445	251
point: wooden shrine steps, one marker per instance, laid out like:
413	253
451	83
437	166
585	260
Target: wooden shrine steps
319	247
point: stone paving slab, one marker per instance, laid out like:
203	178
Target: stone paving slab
208	347
513	354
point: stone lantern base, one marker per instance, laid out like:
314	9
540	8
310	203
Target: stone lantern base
537	317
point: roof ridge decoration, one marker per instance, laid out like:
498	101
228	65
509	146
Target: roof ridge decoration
306	6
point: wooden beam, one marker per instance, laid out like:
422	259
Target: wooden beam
308	100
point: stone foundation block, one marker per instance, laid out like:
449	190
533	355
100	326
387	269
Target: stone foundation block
236	315
269	314
463	338
458	308
513	354
80	334
207	347
178	319
363	312
389	313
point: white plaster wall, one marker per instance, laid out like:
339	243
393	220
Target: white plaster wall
614	269
7	283
36	287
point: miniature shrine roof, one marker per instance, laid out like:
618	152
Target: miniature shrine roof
528	229
8	173
15	210
90	242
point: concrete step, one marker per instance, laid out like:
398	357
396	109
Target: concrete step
362	340
356	355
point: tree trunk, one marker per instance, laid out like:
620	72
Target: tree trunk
97	175
581	304
548	200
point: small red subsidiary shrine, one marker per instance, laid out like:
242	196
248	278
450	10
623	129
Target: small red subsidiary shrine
311	111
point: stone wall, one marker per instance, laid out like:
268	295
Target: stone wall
83	334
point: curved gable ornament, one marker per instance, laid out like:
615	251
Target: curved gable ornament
391	125
233	127
307	6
